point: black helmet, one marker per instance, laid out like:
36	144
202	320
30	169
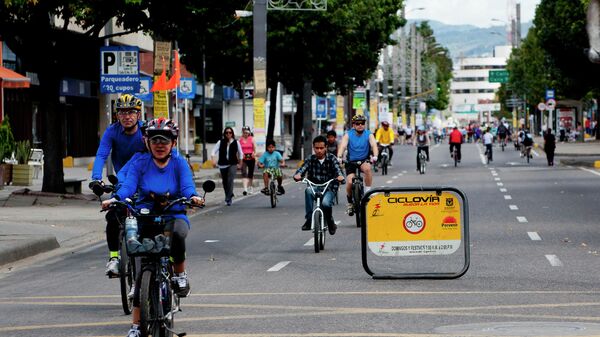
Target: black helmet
359	118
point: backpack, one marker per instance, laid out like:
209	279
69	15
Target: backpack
527	139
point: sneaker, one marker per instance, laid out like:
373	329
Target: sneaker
390	165
112	267
131	293
245	191
306	226
134	331
265	191
228	202
250	190
350	209
181	284
280	190
331	226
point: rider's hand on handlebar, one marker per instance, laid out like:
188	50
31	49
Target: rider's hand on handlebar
341	180
373	159
297	177
95	183
106	203
196	200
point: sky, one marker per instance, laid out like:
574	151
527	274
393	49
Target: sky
473	12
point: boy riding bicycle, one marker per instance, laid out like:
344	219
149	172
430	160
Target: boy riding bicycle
271	161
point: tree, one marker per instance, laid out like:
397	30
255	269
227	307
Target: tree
30	28
438	59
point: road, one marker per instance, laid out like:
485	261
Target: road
534	243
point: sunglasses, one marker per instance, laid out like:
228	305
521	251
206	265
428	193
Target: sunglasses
359	123
160	140
228	133
126	112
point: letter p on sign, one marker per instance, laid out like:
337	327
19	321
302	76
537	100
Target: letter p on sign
109	61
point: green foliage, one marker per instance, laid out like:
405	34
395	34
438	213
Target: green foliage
7	141
23	152
438	58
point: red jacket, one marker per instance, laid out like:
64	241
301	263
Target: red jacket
456	137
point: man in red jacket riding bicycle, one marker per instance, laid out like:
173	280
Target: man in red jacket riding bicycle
456	139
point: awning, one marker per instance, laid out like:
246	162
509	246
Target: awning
11	79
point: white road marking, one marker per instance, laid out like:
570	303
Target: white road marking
500	184
494	174
513	207
389	181
337	222
497	179
534	236
279	266
507	197
395	177
590	171
554	261
521	219
211	241
503	190
310	242
404	172
536	154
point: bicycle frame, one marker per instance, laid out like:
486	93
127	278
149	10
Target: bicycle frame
320	231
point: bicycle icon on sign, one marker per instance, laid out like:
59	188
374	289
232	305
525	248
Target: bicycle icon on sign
414	223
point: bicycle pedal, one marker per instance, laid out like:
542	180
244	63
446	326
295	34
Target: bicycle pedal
111	275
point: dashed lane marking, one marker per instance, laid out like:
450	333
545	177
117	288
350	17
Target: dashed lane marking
395	177
279	266
522	219
500	184
554	260
503	190
513	207
534	236
389	181
497	179
310	242
507	197
211	241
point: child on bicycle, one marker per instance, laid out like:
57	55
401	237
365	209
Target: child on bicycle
272	161
320	168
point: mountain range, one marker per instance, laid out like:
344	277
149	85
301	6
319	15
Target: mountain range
471	41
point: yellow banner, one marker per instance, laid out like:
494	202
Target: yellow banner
339	115
414	223
161	104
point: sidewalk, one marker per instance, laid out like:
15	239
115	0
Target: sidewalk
34	223
575	153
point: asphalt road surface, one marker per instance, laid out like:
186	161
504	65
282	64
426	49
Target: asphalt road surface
534	261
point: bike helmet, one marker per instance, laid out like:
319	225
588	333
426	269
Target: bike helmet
421	128
359	118
162	127
128	101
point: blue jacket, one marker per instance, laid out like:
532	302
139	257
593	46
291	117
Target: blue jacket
145	177
123	148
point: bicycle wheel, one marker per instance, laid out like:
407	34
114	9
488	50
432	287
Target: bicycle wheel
149	305
528	152
168	299
125	275
384	165
422	163
455	158
273	194
317	220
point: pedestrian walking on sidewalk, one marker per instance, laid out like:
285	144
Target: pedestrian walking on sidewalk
249	161
549	146
227	155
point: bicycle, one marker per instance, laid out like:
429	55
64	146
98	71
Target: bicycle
488	154
527	152
455	155
421	161
126	266
272	188
158	301
318	226
385	159
357	190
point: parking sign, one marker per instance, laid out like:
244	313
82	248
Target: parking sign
119	70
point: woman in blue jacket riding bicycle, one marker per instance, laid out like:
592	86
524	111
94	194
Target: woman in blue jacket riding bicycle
158	173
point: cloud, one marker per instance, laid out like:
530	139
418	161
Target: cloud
471	12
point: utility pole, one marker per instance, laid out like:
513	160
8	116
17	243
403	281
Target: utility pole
403	80
413	69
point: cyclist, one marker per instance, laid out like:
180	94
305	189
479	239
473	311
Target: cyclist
271	161
422	143
320	168
488	141
121	140
358	141
159	173
502	131
408	131
332	145
249	151
385	137
527	142
456	139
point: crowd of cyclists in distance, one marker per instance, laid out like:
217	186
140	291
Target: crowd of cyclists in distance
151	174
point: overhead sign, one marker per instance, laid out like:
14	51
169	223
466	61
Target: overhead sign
187	88
119	70
551	104
498	76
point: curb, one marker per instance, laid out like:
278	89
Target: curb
22	246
